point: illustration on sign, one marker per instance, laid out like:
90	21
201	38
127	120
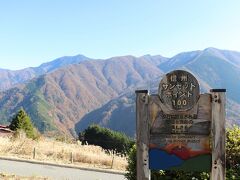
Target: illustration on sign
180	120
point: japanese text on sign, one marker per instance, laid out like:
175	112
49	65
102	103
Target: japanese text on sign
179	90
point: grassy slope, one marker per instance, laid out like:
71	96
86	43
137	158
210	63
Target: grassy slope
49	150
32	100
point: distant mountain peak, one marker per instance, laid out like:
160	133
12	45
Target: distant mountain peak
211	48
71	87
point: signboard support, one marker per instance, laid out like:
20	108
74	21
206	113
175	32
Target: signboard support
218	134
181	129
143	172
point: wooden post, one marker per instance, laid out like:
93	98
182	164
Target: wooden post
71	157
34	153
112	161
218	135
142	130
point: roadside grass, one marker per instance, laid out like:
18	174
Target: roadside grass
6	176
49	150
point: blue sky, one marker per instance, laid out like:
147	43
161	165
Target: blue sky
33	32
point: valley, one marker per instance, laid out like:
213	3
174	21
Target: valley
67	95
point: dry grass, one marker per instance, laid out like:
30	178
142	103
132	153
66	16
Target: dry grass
4	176
54	151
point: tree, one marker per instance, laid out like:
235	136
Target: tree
106	138
22	121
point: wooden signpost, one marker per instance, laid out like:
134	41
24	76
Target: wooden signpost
180	129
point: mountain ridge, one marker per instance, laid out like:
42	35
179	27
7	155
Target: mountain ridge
60	98
69	98
10	78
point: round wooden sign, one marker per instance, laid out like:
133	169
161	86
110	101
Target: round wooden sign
179	90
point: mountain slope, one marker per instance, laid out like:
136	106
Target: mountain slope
9	79
118	114
70	98
59	99
219	69
212	69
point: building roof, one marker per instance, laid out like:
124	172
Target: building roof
5	129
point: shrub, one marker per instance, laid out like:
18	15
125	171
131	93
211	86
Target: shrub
233	153
106	138
132	164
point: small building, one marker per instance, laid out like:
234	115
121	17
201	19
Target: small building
5	131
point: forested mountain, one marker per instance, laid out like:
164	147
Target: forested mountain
58	100
68	95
